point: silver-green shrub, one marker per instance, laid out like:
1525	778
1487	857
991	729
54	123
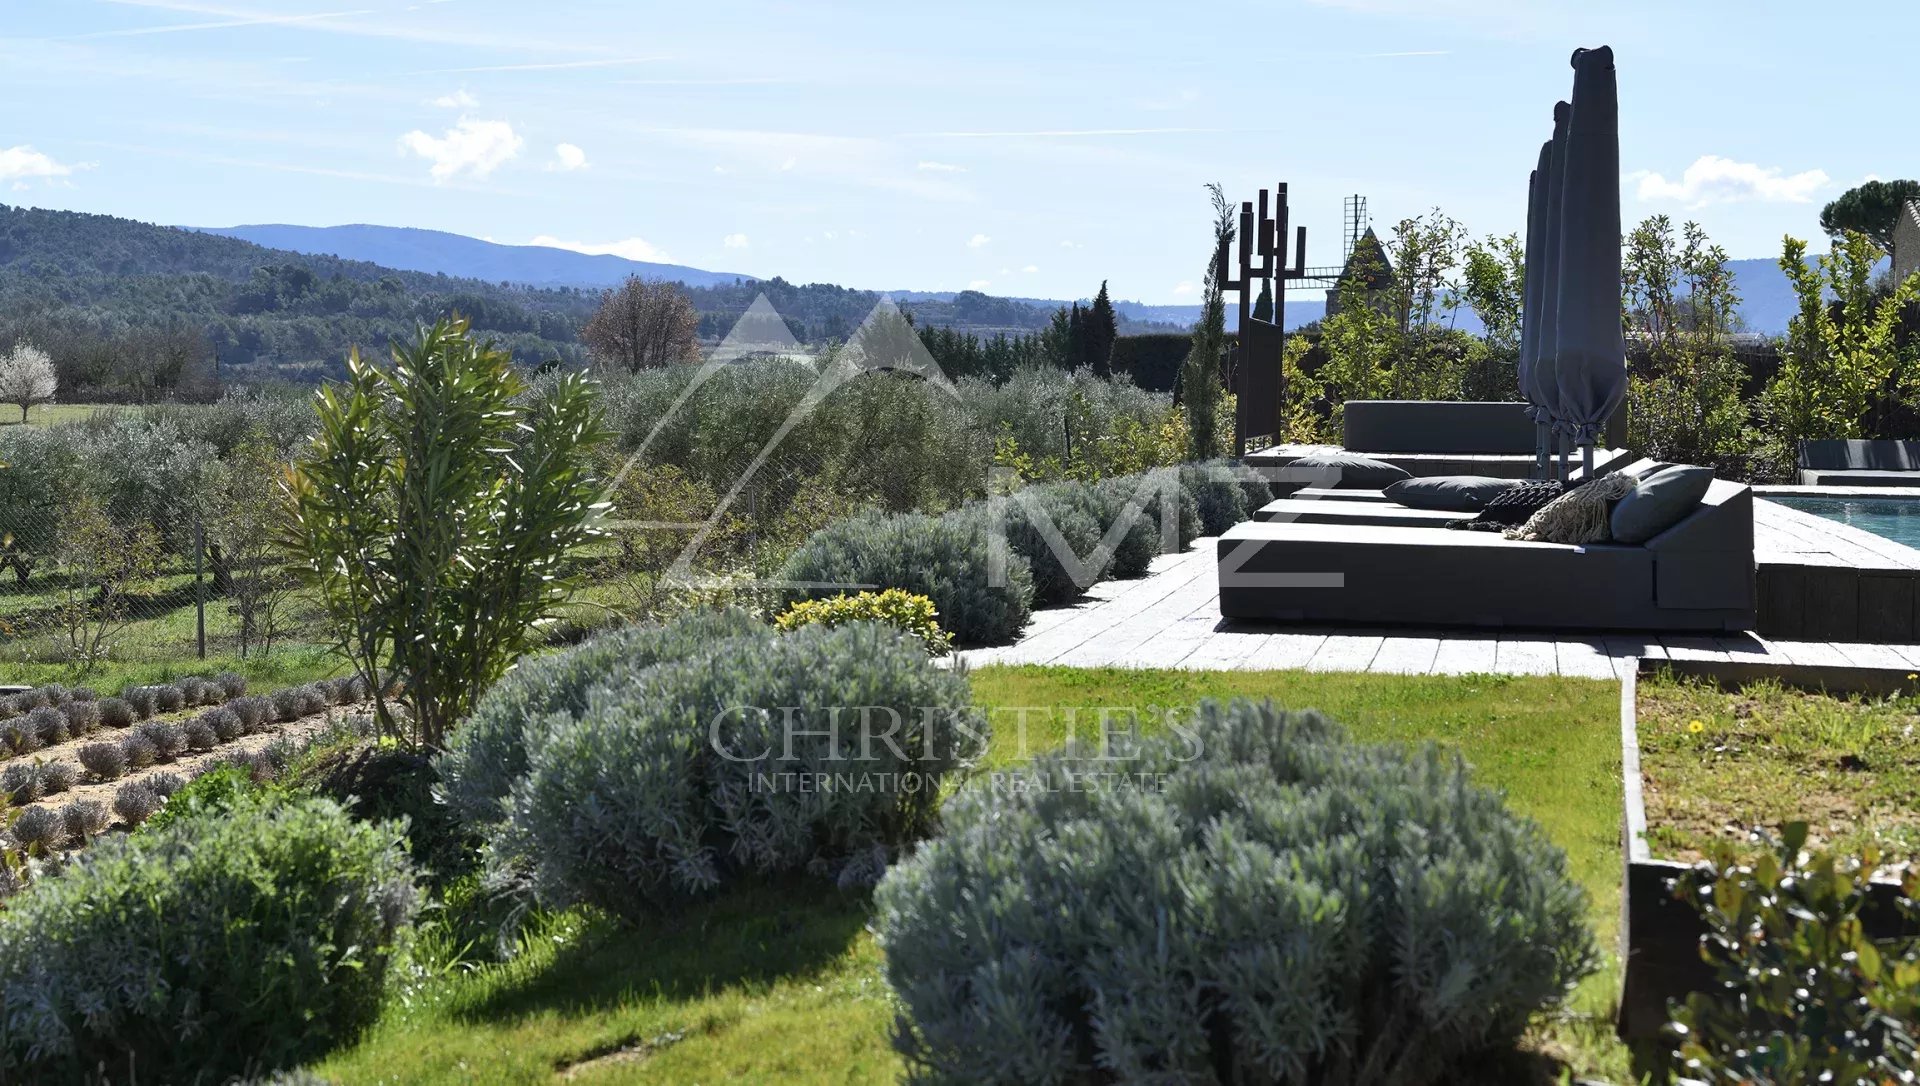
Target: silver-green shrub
252	711
83	693
168	740
85	819
20	783
231	685
288	705
1254	899
49	725
226	724
56	777
1218	495
83	716
20	737
1054	531
139	750
195	690
256	937
814	750
488	753
106	761
948	559
142	700
169	697
165	785
115	713
199	734
39	829
134	802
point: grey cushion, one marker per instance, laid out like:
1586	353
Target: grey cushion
1450	493
1355	472
1658	502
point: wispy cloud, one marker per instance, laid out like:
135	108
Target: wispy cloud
1063	133
1712	179
940	167
544	66
1406	53
978	241
433	31
629	248
471	147
219	24
568	158
734	241
459	99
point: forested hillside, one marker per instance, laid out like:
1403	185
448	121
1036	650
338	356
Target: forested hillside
131	311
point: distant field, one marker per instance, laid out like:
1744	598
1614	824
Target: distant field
47	414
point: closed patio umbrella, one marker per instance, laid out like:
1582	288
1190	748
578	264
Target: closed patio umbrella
1545	370
1532	304
1590	356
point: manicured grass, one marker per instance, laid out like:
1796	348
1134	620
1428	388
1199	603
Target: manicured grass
1717	764
47	414
284	667
782	983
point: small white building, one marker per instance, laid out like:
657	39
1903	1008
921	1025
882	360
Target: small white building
1906	242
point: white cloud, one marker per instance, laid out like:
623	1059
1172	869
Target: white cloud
567	158
631	248
470	146
1183	289
978	241
21	162
940	167
735	241
459	99
1716	180
1031	268
980	284
1069	245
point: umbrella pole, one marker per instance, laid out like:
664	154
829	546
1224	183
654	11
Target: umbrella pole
1561	441
1586	460
1540	453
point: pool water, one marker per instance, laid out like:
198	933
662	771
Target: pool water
1897	519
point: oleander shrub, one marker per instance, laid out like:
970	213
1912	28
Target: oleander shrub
219	945
231	685
39	830
169	697
57	777
226	724
85	819
1256	899
487	753
142	700
139	750
115	713
21	783
948	559
381	783
905	611
49	725
199	735
20	737
106	761
823	750
135	802
253	712
168	738
83	717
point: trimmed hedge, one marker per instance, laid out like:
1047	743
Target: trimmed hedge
820	750
1253	899
948	559
488	753
209	949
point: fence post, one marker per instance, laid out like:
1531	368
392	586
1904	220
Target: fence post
199	590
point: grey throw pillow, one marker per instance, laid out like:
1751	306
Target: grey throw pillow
1450	493
1658	502
1345	471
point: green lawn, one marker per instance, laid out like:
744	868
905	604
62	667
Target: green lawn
782	983
47	414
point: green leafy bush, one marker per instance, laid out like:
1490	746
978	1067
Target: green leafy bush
215	793
823	749
947	559
1801	993
1119	502
383	783
1253	899
905	611
489	752
216	947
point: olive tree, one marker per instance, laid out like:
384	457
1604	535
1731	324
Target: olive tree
27	378
434	514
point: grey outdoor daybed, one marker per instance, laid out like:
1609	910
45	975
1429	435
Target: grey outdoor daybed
1697	575
1859	463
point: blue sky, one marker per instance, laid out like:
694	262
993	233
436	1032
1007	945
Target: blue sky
1025	149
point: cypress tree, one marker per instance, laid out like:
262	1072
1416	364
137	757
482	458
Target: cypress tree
1102	330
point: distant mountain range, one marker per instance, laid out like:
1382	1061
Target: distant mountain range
1766	298
436	251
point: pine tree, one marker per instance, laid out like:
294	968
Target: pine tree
1076	337
1102	330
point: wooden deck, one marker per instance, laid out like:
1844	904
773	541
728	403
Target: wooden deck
1171	619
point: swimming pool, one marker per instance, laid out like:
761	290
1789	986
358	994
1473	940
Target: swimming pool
1897	519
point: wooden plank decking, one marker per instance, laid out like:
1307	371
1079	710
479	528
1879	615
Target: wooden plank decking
1171	619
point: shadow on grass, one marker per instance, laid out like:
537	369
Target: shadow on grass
754	935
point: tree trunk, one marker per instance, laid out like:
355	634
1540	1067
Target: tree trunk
221	568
